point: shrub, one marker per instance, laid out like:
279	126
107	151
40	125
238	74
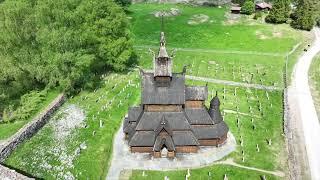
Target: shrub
257	15
29	104
248	8
123	3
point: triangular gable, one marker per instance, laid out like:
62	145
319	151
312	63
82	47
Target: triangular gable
164	125
164	141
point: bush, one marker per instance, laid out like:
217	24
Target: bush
123	3
257	15
29	104
248	8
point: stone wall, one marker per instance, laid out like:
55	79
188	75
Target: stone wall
9	174
197	2
29	129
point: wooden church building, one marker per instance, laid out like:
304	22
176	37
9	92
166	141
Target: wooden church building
172	117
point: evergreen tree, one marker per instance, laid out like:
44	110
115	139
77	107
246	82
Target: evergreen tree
279	13
305	14
248	7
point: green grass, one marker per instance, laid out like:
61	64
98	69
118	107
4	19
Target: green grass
267	122
8	129
216	172
209	35
93	162
263	69
314	76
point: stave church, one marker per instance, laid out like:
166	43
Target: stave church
172	117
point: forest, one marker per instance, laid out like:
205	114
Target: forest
60	44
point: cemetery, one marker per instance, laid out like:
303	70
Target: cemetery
78	141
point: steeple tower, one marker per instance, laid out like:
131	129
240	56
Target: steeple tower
162	64
214	109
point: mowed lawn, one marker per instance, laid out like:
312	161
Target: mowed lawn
212	34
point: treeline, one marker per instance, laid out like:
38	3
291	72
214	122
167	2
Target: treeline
304	14
60	43
301	14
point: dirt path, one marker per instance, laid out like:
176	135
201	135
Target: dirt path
232	163
233	83
302	112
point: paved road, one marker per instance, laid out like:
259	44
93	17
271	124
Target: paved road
302	109
233	83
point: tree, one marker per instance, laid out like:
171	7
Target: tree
124	3
248	8
305	14
279	13
60	43
240	2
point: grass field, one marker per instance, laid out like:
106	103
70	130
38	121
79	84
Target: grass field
8	129
256	69
211	34
213	172
109	104
247	51
314	77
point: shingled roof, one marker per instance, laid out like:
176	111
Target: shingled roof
143	138
163	125
134	113
198	116
173	94
210	131
184	138
196	93
151	120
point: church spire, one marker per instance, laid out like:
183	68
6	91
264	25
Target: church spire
163	62
162	50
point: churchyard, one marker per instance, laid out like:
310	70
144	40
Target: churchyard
255	118
239	53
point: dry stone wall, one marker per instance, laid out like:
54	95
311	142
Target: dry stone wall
29	129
